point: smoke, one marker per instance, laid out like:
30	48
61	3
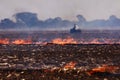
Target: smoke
66	9
30	21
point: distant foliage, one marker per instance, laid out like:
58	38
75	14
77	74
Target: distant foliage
30	20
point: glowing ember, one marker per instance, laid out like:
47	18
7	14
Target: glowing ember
104	68
70	65
21	41
4	41
64	41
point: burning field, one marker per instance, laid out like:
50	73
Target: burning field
40	57
60	62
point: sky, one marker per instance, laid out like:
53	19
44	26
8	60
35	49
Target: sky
66	9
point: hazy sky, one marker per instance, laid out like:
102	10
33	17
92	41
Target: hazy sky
67	9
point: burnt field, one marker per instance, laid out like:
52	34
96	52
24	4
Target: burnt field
60	62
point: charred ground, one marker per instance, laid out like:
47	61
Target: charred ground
42	59
51	61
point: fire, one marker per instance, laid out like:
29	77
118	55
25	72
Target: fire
64	41
61	41
104	68
4	41
70	65
95	41
21	41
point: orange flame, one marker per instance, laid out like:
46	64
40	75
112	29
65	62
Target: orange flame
64	41
61	41
104	68
21	41
70	65
4	41
95	41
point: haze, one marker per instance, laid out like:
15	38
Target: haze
66	9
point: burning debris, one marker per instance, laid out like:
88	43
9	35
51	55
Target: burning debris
103	69
21	41
59	40
16	41
95	41
4	41
70	65
64	41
